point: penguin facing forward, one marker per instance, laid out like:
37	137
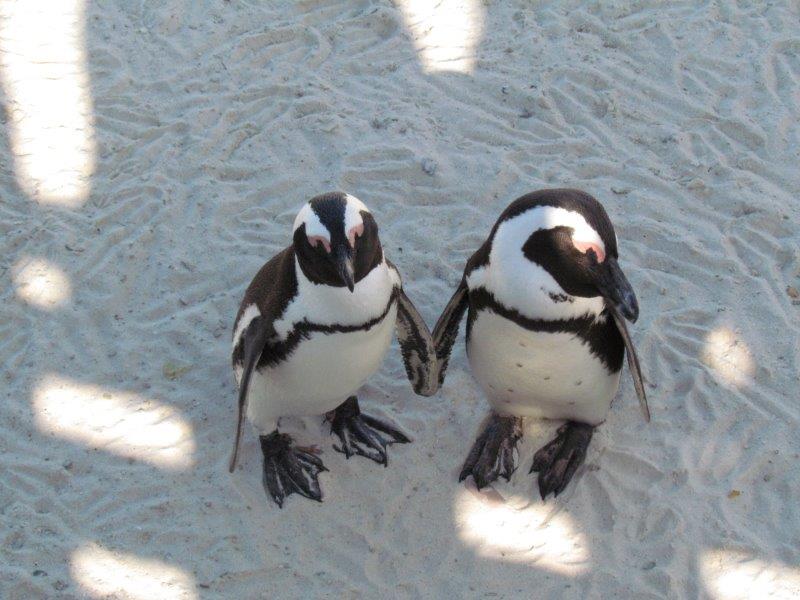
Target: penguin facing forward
546	334
314	324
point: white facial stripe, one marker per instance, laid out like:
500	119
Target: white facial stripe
301	216
548	217
352	213
353	222
314	227
524	285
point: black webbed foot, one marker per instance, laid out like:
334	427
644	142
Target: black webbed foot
557	461
492	455
361	434
289	469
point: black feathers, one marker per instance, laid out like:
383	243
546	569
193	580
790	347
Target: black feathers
446	330
330	209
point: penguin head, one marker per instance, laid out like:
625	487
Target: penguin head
569	235
336	240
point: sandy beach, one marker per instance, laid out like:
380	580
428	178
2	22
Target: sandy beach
153	156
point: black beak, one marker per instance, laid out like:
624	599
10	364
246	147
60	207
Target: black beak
614	287
343	257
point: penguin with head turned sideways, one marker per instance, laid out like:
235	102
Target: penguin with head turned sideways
546	304
314	324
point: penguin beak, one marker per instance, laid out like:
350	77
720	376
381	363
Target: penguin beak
615	288
343	257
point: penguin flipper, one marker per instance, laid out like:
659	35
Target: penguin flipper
416	345
446	330
254	338
633	361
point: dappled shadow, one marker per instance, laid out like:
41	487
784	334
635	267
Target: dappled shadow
125	274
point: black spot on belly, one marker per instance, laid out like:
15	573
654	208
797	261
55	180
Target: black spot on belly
579	382
510	391
547	377
560	298
519	365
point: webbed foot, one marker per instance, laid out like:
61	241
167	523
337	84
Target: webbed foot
289	469
557	461
492	455
361	434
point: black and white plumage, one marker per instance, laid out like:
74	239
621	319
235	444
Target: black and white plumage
314	324
546	334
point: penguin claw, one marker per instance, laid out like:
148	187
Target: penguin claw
363	435
557	461
492	455
289	469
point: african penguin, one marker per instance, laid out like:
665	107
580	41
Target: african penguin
546	334
314	324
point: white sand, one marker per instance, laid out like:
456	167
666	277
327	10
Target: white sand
153	157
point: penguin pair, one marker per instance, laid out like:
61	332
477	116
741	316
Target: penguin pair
546	303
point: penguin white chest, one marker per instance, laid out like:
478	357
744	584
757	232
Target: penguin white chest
539	374
321	372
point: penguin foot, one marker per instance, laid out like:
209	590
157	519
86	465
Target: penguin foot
557	461
289	469
492	455
361	434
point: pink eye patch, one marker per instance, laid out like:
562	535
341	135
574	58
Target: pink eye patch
355	232
586	246
316	240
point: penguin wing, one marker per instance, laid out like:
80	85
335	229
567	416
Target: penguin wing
416	344
446	330
633	361
269	293
253	341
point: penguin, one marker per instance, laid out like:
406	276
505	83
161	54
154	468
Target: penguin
546	304
314	324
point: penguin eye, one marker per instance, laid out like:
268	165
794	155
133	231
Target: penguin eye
317	240
355	232
584	247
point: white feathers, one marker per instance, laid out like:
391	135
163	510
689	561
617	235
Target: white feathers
321	372
394	275
314	226
525	286
352	213
548	217
328	305
539	374
250	313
